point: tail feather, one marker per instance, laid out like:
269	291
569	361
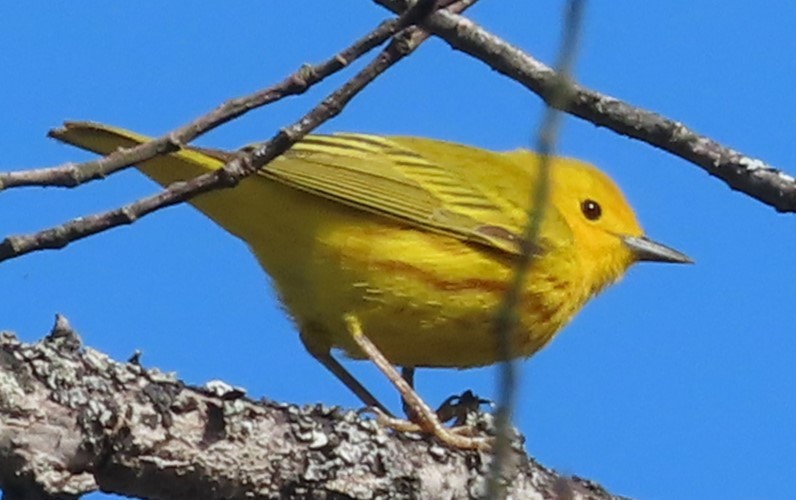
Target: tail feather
104	139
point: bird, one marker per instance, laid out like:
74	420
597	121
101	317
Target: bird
411	243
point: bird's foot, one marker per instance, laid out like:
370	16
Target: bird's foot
425	419
462	437
459	407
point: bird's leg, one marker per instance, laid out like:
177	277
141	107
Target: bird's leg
324	357
426	420
408	374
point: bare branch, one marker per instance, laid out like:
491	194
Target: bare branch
243	165
741	172
71	174
74	421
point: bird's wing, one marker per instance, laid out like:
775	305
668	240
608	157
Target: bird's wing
398	178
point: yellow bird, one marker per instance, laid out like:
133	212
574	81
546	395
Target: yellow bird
415	238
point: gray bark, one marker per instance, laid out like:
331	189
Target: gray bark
74	421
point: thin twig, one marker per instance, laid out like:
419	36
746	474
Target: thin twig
739	171
72	174
506	320
59	236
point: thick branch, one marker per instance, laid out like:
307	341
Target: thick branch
743	173
73	421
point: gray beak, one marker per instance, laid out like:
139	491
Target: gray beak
647	250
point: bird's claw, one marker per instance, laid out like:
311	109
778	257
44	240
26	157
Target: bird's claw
462	437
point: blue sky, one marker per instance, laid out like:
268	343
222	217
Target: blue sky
676	383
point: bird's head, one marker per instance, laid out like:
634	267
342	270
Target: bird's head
604	227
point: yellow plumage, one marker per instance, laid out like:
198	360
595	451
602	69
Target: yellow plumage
417	238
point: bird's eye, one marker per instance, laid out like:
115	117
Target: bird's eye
591	209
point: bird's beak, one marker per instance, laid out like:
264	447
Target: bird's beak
644	249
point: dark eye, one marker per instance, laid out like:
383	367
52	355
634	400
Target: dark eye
591	209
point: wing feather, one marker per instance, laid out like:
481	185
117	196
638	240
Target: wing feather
382	175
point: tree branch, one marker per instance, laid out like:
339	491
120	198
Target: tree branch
739	171
246	163
74	421
72	175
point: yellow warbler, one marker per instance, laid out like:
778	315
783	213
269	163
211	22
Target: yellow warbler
416	238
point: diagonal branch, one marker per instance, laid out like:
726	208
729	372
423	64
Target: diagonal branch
71	175
403	44
741	172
